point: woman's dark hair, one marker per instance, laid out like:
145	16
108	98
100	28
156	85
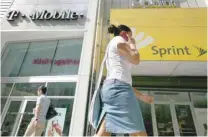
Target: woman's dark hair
112	29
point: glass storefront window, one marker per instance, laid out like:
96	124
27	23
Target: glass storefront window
38	51
7	128
61	89
170	96
12	59
164	120
185	120
199	100
147	115
3	102
67	57
26	118
5	91
58	57
26	89
54	89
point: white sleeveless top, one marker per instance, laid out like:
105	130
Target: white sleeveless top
118	67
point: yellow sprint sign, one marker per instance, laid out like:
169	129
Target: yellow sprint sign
167	34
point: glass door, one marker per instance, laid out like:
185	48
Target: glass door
174	119
173	114
18	116
163	119
11	120
185	119
25	117
18	110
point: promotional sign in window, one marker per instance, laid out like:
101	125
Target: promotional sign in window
55	125
166	34
41	58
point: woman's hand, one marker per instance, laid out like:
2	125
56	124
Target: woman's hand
146	98
131	42
143	97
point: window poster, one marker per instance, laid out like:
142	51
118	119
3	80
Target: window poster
55	125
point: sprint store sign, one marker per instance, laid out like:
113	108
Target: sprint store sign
167	34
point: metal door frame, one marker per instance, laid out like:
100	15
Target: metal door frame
173	115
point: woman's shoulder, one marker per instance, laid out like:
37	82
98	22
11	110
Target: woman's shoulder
114	42
118	39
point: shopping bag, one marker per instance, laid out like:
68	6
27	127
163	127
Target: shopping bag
95	106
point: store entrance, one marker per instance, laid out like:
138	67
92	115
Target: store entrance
174	119
171	114
19	113
19	99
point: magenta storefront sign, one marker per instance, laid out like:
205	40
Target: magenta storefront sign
59	62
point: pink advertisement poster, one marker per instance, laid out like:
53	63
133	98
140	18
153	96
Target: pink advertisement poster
55	125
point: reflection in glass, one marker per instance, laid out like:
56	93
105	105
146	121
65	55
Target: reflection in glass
26	89
27	116
38	58
185	120
170	96
5	91
67	57
56	125
3	102
199	99
56	57
61	89
147	116
164	120
11	117
12	59
146	113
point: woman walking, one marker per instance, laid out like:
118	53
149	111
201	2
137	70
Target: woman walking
121	111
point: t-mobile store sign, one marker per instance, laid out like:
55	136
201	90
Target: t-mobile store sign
59	62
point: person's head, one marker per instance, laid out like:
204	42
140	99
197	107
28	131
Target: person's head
117	31
42	90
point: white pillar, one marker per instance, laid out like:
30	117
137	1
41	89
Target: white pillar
80	102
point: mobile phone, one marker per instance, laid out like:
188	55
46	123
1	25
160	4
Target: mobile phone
124	35
54	122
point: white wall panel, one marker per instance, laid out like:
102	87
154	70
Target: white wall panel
192	4
170	68
184	4
202	3
154	68
191	69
